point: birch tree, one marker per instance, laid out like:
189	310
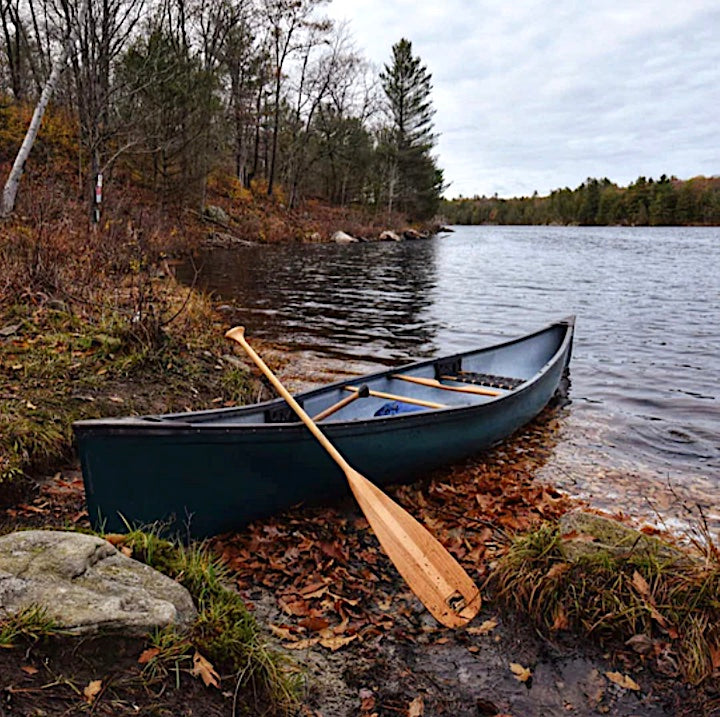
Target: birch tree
13	181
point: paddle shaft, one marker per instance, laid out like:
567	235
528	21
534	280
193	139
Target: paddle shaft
403	399
436	384
437	579
237	334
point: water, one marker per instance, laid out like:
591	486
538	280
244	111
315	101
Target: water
646	364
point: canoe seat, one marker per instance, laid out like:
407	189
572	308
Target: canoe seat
485	379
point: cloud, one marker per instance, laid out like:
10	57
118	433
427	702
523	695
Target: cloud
537	95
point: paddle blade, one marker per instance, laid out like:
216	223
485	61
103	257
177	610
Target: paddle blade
435	577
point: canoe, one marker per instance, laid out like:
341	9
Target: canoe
208	472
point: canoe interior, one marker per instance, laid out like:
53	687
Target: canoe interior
521	359
212	471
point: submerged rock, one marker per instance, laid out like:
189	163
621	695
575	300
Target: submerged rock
86	585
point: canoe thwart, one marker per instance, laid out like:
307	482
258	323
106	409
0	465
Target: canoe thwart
434	383
403	399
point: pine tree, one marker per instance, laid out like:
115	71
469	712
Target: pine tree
414	180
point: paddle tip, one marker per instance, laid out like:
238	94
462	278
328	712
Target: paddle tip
235	332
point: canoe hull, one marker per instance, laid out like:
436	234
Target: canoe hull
204	480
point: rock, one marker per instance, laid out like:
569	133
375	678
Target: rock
586	535
343	238
216	214
86	585
388	235
414	234
9	330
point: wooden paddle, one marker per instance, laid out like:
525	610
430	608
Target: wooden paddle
437	579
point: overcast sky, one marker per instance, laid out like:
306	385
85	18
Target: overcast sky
536	95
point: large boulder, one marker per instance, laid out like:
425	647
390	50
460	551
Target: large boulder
86	585
388	235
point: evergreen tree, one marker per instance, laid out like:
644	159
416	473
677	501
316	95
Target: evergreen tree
414	180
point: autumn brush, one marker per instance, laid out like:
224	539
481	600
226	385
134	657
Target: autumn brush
435	577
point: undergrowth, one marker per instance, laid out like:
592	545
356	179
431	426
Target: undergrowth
665	604
225	631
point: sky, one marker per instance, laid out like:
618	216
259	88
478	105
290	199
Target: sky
534	95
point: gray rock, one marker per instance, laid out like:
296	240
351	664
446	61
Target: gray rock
388	235
86	585
343	238
587	535
216	214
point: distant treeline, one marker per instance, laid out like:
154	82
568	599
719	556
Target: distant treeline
645	202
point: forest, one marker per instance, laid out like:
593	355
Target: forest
596	202
174	93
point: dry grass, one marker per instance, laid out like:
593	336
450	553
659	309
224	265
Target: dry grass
665	605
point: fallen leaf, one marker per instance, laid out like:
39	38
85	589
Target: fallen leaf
416	708
367	699
642	644
487	626
522	674
92	690
640	584
29	670
314	624
205	671
301	644
335	643
284	633
623	681
126	550
147	655
715	656
557	570
561	621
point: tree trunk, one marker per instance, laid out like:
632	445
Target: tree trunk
13	181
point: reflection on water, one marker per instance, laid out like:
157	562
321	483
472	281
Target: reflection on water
646	362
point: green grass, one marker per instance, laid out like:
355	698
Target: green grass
31	623
225	632
59	367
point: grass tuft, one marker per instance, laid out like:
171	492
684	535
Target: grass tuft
225	631
31	623
668	597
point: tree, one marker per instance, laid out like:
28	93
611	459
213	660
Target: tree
414	181
13	181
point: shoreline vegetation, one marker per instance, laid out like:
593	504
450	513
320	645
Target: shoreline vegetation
668	201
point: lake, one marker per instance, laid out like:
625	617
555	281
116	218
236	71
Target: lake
642	430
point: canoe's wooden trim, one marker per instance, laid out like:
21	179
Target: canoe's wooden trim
403	399
362	392
434	383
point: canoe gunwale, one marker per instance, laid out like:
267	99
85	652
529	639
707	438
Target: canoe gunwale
173	425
